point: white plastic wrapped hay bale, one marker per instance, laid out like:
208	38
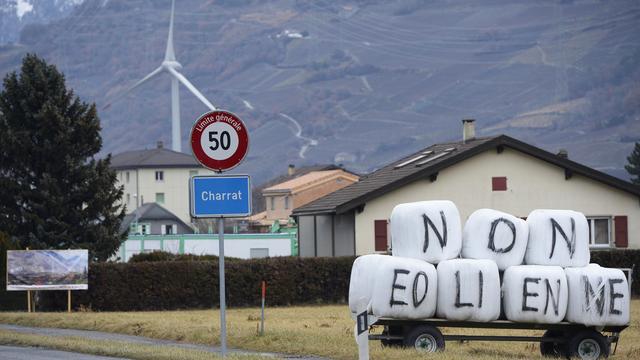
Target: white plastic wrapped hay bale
535	293
469	290
598	296
361	282
427	230
405	288
557	237
400	288
495	235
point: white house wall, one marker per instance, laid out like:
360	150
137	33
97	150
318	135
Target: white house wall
531	184
237	248
175	186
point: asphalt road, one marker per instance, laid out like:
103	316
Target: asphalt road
31	353
99	335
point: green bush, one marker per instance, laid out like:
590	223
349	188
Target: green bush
168	285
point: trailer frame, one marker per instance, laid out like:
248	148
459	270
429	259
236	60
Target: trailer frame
560	339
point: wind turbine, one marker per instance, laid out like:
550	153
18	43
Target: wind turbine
170	65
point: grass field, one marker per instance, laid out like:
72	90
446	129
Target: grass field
313	330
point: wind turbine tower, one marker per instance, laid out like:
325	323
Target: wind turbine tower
171	66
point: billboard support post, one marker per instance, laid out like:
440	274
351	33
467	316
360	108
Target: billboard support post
29	301
68	301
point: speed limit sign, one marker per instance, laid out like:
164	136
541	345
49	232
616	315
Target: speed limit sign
219	140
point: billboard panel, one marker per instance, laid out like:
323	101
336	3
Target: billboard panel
47	270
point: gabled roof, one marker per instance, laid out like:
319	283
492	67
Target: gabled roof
149	212
428	162
258	203
153	158
310	179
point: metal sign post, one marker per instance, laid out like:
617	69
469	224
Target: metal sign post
223	302
220	141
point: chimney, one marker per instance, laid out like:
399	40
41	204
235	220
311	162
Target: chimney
468	130
291	170
159	144
563	153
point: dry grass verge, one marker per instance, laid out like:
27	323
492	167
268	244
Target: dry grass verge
111	348
308	330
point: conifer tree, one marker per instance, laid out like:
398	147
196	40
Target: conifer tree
633	167
54	192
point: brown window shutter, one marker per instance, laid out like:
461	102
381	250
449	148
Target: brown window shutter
499	183
380	233
621	233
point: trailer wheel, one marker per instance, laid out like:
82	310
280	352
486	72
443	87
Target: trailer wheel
588	345
552	349
425	338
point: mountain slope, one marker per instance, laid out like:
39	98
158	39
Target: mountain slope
360	82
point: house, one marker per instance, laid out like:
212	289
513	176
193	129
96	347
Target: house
157	175
153	219
151	227
497	172
292	191
282	198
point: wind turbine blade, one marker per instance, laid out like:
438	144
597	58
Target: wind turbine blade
142	81
169	54
191	88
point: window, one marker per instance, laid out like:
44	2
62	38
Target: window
256	253
193	173
145	229
169	229
499	183
380	234
599	231
159	175
126	175
286	203
273	203
128	198
160	198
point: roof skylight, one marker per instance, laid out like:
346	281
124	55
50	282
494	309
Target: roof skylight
437	156
414	159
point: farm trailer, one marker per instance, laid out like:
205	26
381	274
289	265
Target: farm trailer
561	339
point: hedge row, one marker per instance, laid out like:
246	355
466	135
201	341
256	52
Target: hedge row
166	285
620	259
167	256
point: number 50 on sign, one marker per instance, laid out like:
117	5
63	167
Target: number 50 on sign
219	140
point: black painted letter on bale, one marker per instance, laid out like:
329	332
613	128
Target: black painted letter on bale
458	304
526	294
480	285
395	286
613	296
492	234
555	302
442	238
571	244
417	302
590	294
